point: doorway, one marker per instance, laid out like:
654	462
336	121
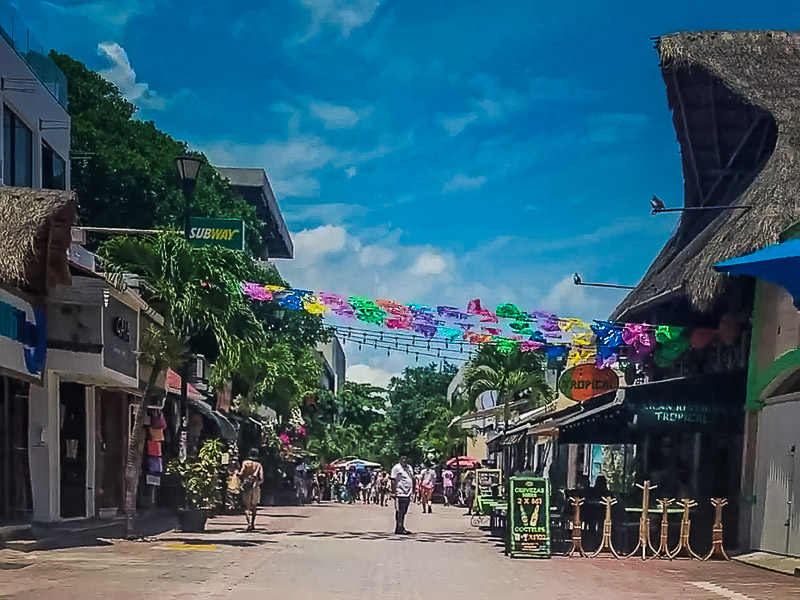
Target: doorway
73	449
15	477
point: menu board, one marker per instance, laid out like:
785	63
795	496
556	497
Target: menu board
488	482
529	517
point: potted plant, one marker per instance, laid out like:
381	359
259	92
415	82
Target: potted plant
200	480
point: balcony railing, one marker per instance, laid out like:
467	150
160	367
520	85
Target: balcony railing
17	34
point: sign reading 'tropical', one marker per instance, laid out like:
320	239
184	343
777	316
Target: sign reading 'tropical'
587	381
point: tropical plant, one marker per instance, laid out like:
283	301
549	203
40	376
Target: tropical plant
124	167
200	477
419	414
196	291
511	375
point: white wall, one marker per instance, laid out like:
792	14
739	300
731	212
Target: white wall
777	478
31	107
43	449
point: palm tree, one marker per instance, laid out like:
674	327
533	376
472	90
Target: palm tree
510	375
195	290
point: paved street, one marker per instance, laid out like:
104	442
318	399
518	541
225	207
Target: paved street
333	551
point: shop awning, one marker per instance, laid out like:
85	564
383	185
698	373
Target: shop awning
226	428
712	402
174	386
513	438
778	264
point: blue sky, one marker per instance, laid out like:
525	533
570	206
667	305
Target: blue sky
423	151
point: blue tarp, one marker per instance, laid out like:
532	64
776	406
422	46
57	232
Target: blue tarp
779	264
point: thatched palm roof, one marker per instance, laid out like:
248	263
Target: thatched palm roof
34	236
735	98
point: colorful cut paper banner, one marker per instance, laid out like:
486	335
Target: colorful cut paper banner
508	327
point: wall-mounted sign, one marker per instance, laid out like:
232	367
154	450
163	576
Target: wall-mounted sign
23	335
587	381
529	517
228	233
120	337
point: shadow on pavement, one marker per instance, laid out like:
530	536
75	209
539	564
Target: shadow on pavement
206	541
422	537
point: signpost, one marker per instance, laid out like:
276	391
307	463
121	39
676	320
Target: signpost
228	233
529	517
587	381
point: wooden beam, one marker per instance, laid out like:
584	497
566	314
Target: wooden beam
689	145
764	136
711	86
734	156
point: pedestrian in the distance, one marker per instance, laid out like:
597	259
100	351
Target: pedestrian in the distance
402	488
427	483
251	475
447	484
469	491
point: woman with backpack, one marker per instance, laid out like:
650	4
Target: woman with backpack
251	474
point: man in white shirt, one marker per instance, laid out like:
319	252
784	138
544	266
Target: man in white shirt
402	487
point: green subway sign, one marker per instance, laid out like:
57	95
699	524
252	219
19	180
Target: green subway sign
228	233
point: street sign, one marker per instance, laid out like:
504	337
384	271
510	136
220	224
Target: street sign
228	233
529	517
587	381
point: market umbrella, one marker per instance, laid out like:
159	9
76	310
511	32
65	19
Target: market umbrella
464	462
362	464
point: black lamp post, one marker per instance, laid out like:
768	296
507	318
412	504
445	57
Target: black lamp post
188	168
657	207
576	279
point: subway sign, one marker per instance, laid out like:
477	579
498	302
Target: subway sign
228	233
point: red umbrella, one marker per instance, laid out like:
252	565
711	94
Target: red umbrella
464	462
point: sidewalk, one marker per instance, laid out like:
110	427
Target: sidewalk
88	532
790	565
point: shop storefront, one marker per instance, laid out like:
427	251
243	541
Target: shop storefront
80	417
23	351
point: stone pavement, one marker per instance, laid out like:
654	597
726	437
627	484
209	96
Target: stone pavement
334	551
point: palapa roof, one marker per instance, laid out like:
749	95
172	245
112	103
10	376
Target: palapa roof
735	98
34	236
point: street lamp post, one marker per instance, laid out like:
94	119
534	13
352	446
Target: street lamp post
188	169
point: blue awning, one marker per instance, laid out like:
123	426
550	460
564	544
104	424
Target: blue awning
779	264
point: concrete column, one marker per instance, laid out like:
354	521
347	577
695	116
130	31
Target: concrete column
43	449
91	450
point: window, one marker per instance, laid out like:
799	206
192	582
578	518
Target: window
53	169
18	150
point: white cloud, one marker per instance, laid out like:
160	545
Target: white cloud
342	15
292	164
121	74
455	125
351	172
371	375
108	14
312	244
374	255
463	183
336	116
429	263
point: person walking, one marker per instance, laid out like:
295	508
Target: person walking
469	491
426	485
251	475
447	484
383	488
352	486
402	477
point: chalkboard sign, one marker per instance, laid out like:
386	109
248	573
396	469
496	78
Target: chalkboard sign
529	517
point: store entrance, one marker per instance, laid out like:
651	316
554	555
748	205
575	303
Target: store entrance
15	478
73	450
